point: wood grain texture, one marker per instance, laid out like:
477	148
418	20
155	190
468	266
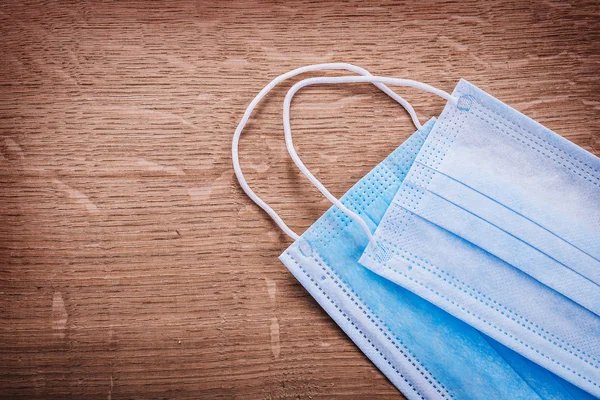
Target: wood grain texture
131	263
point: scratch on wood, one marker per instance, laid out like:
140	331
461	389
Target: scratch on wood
200	193
59	315
110	389
275	344
151	166
260	168
77	196
271	288
14	147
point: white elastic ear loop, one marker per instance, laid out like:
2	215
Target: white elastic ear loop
236	137
334	80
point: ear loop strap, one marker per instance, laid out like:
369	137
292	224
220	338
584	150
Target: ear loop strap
336	80
236	137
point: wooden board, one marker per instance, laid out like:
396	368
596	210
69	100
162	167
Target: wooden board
131	263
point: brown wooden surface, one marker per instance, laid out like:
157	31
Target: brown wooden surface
132	265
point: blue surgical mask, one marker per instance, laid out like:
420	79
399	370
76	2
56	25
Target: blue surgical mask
498	223
423	350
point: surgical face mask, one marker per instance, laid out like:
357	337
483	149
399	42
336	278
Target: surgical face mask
424	351
498	223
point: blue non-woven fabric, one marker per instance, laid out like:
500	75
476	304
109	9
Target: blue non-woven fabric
498	223
424	351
